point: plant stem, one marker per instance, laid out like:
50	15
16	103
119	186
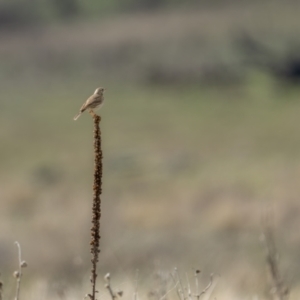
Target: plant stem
95	230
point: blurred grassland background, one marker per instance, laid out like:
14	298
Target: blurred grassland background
200	136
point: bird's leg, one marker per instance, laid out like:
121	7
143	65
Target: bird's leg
91	112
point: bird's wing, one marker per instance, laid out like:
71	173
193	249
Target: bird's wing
86	103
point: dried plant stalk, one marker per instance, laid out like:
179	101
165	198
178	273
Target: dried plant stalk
279	290
95	230
18	274
1	289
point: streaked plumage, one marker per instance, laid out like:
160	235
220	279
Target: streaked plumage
92	103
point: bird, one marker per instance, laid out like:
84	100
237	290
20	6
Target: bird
92	103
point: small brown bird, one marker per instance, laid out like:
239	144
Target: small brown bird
92	103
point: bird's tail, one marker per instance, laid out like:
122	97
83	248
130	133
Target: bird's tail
77	116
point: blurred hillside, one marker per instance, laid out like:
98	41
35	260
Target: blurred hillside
200	135
17	13
200	43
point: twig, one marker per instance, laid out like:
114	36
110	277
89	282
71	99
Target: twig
18	274
167	292
108	286
112	294
136	285
197	272
190	295
207	287
1	289
188	287
279	290
210	290
176	283
181	290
